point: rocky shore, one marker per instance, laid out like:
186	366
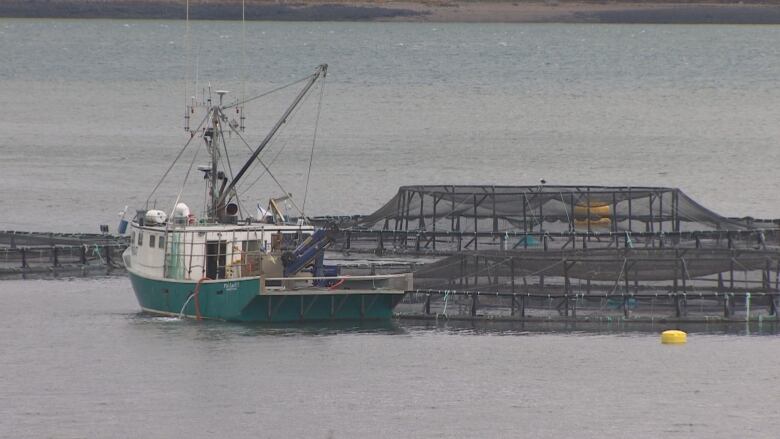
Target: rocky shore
550	11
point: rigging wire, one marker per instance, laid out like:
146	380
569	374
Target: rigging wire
566	209
268	171
245	101
157	186
184	183
229	166
262	174
292	123
313	142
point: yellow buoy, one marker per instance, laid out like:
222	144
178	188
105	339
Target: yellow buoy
673	336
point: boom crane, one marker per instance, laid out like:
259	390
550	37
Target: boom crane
219	202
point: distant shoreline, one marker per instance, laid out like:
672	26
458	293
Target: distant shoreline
551	11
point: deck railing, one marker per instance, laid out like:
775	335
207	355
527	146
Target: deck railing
237	253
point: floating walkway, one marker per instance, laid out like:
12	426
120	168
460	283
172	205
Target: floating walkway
700	307
33	255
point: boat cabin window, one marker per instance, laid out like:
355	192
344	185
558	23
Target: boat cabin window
140	238
161	242
216	259
132	238
151	241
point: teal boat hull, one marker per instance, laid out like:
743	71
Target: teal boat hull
242	300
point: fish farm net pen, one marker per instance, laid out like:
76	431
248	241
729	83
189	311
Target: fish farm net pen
520	251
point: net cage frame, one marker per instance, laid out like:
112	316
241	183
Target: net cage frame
454	218
544	242
652	283
551	208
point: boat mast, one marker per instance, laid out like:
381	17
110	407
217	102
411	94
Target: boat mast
213	141
219	202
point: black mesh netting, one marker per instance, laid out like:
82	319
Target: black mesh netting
553	208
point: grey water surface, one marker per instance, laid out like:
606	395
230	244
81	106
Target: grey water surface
79	361
92	111
91	117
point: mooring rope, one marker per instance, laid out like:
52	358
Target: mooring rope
196	295
446	297
620	275
96	251
566	210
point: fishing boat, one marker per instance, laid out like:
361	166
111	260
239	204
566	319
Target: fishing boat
268	268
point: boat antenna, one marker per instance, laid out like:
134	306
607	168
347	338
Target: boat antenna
321	71
240	109
187	55
197	72
212	144
229	167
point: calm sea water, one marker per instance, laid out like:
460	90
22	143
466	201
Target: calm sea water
92	111
91	116
79	361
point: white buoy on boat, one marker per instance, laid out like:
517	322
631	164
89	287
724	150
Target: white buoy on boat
154	216
181	211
